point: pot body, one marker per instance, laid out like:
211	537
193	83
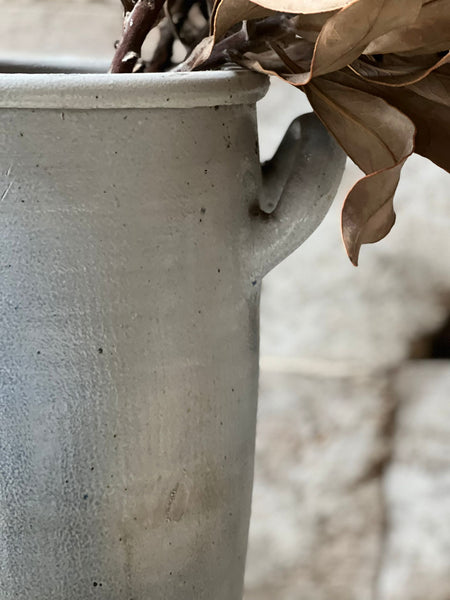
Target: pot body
129	352
129	344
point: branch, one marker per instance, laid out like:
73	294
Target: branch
254	36
207	56
137	24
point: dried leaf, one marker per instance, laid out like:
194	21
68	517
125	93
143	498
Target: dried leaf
378	138
227	13
371	132
430	33
395	71
436	87
298	60
368	212
199	55
346	34
432	121
303	6
267	63
431	118
277	63
309	26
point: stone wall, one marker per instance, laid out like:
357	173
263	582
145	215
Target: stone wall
84	28
352	487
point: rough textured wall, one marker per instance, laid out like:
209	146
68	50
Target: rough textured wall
84	28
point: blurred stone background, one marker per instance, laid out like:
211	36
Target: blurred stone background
352	484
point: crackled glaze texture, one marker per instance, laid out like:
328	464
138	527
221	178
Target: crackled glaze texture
132	252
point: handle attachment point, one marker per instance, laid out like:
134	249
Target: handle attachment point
299	185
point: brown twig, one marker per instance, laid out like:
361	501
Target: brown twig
236	42
136	27
218	55
254	36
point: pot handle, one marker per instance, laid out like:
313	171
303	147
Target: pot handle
299	185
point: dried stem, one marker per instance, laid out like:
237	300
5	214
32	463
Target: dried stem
219	54
236	42
137	24
254	36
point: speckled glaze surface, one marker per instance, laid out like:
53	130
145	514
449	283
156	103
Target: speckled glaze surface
131	255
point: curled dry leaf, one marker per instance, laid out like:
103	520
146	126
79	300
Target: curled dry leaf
371	132
308	26
266	63
227	13
276	62
198	56
432	121
428	34
368	212
430	116
435	87
397	70
346	34
378	138
303	6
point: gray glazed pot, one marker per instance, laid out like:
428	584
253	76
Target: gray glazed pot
132	251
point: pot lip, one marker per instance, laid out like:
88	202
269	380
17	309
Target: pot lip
127	91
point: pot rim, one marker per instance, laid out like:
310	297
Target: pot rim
141	90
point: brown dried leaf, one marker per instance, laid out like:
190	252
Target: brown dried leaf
198	56
227	13
431	117
430	33
346	34
267	63
277	63
309	26
303	6
395	71
375	135
378	138
432	120
435	87
297	61
368	212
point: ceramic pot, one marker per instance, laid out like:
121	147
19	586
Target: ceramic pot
132	246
